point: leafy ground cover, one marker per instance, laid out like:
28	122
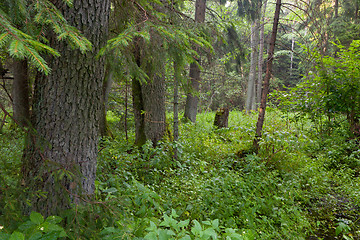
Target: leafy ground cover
303	184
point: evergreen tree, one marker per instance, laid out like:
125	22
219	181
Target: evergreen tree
61	150
192	100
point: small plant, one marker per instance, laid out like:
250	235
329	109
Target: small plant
171	228
37	228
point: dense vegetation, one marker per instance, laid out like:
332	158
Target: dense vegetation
113	119
302	183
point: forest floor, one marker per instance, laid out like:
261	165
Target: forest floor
303	183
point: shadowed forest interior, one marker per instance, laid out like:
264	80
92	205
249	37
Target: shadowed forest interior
180	119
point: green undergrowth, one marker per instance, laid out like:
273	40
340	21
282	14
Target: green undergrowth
301	184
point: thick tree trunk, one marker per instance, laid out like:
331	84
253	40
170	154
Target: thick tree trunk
60	158
149	97
192	98
260	122
251	91
221	118
20	93
153	93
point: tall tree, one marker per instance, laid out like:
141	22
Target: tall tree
20	92
60	155
252	11
270	58
251	88
261	52
192	98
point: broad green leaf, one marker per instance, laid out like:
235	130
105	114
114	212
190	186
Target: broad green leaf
196	229
17	236
151	236
54	219
36	218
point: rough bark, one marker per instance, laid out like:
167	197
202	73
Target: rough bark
20	93
260	122
149	96
153	93
192	98
221	118
251	91
60	157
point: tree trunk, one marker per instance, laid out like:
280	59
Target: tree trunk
103	125
149	97
261	58
153	93
260	122
336	9
192	98
176	106
60	157
250	95
20	93
139	115
221	118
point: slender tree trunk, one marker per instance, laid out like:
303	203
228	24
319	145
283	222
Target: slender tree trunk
126	110
260	122
261	58
192	98
176	106
104	127
60	156
251	91
336	8
292	50
139	115
138	103
2	70
20	93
